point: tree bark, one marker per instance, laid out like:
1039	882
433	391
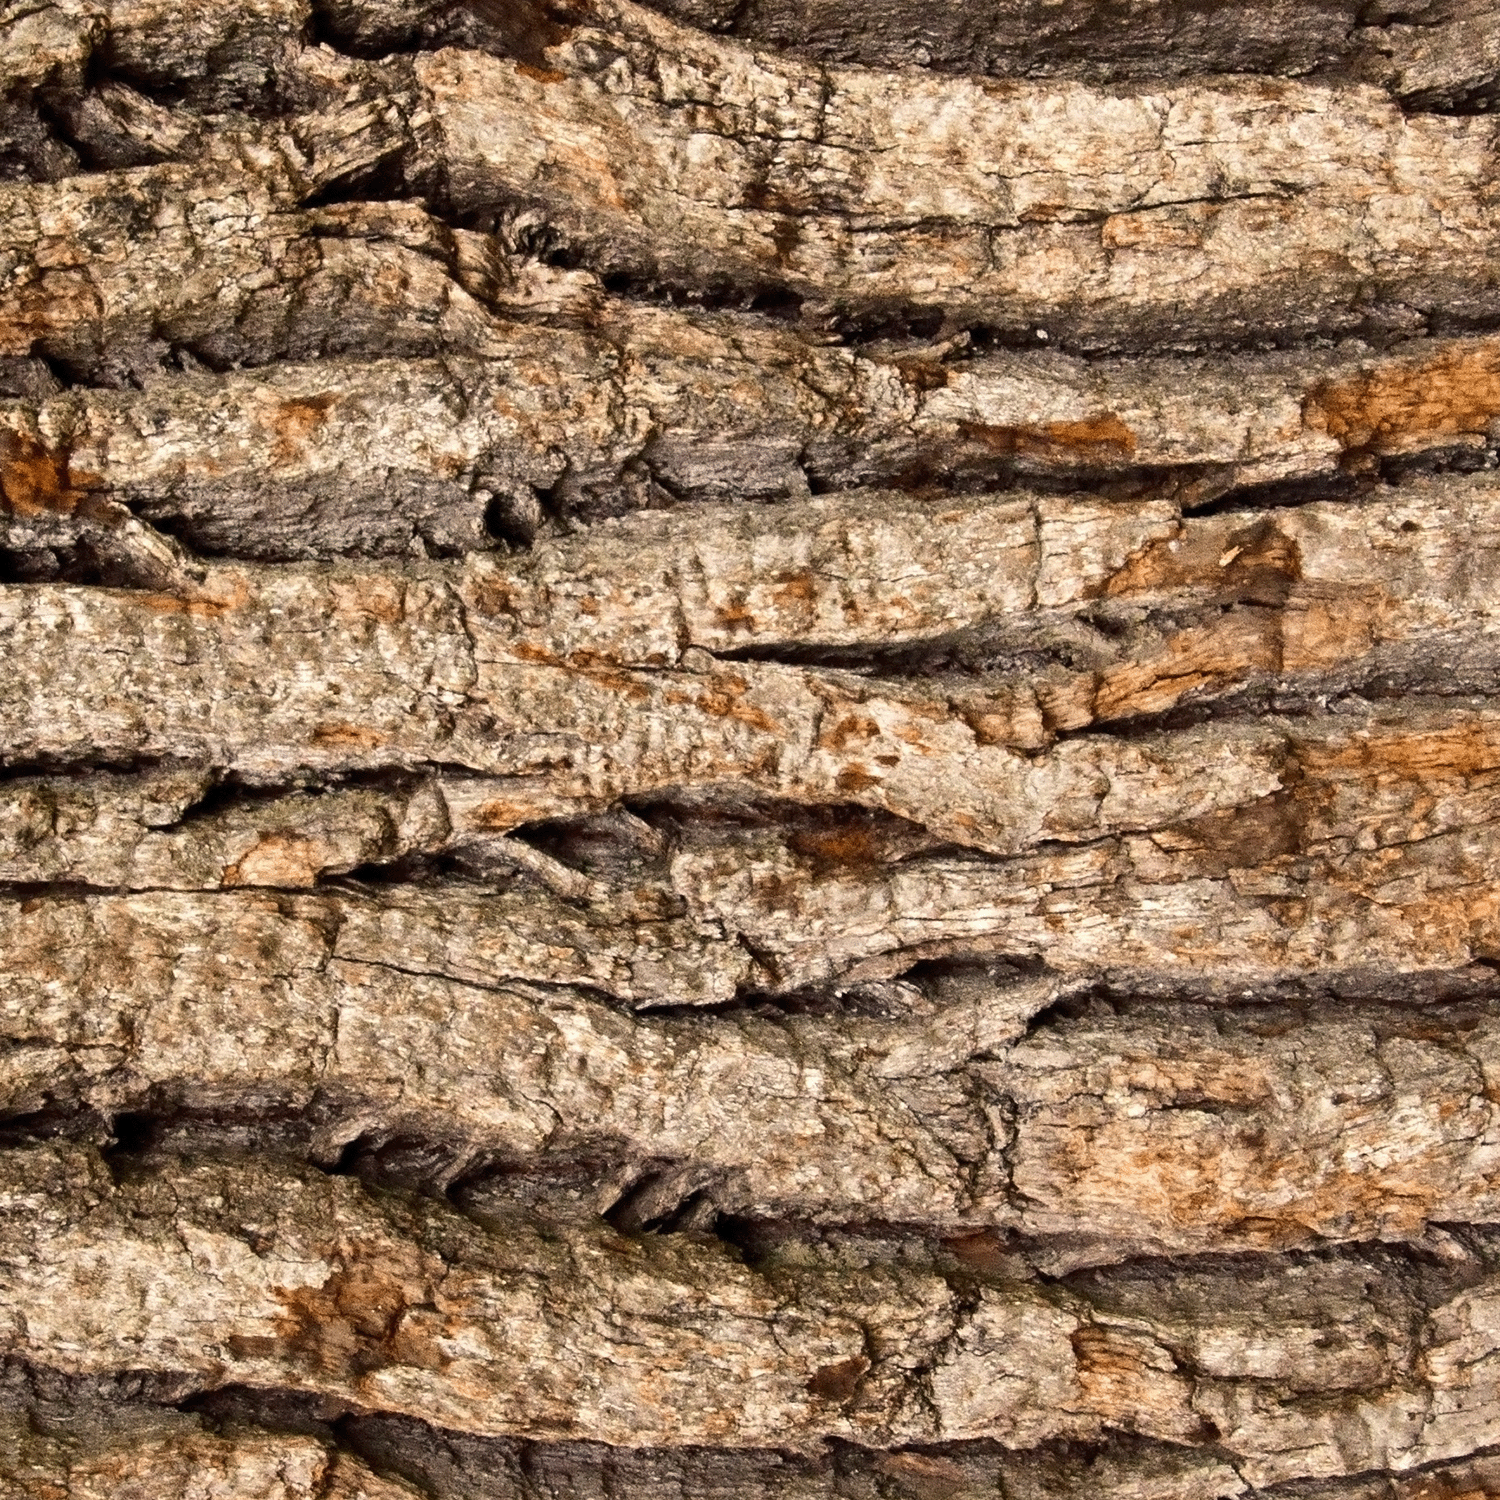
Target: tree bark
749	750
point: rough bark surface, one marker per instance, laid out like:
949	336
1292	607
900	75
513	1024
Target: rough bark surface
749	750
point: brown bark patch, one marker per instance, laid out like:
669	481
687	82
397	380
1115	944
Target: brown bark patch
838	1382
723	698
527	651
199	605
34	479
855	778
1100	1351
492	598
279	859
839	848
991	728
736	616
1206	659
296	421
1234	838
498	815
1452	751
1256	565
983	1251
1094	438
923	374
1395	408
850	728
347	736
797	587
525	29
352	1325
1172	226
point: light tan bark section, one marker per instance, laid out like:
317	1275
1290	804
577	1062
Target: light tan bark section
456	1017
1173	215
1111	215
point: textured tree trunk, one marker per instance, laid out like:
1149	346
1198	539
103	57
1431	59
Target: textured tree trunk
749	749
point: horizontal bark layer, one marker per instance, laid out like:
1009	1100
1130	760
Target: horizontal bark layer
273	673
497	1324
91	1453
1200	214
410	1019
342	458
1164	218
1440	57
267	1446
1355	836
268	280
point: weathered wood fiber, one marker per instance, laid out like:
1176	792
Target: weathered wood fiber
1436	56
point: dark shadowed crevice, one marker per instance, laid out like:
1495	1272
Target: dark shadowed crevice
1289	494
520	29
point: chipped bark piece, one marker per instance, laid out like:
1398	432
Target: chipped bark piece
73	72
1248	896
579	735
269	281
1453	65
1313	873
411	1308
101	1451
884	574
152	831
407	631
488	1326
572	737
1249	1142
509	1072
345	284
218	58
454	1466
635	955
